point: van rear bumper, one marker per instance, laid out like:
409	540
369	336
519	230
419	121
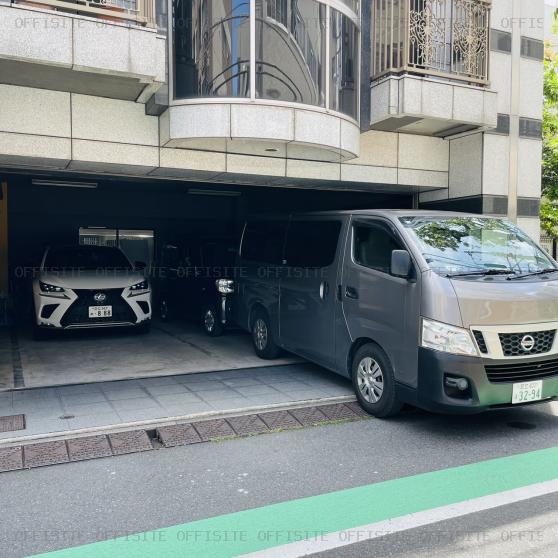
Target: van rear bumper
432	394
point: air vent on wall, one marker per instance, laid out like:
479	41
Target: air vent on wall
62	184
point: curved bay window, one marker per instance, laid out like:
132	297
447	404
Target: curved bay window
292	51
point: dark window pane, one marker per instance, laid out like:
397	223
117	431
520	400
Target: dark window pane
531	48
344	64
312	243
373	246
263	242
500	40
530	128
86	257
290	51
211	48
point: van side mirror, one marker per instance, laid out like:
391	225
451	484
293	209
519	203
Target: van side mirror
401	264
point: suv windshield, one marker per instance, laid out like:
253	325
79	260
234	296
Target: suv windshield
86	257
461	245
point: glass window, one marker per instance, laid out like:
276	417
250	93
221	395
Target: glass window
211	48
343	47
86	258
454	245
290	51
312	243
372	247
263	242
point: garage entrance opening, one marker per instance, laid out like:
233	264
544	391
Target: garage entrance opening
165	226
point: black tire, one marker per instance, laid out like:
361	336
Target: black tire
263	339
40	333
144	328
211	321
374	382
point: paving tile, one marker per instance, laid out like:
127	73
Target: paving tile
143	414
207	385
338	412
127	393
268	399
161	381
241	382
305	395
81	388
88	410
213	429
11	459
291	386
11	423
187	410
178	399
219	395
167	389
178	435
246	425
130	442
83	398
134	404
308	416
45	453
279	420
250	391
357	409
232	404
90	447
44	426
6	398
108	419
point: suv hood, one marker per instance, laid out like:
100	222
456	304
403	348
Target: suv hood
93	279
507	302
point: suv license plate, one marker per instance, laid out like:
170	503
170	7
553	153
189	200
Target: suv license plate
100	311
527	391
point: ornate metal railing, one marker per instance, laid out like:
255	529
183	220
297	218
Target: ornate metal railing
442	38
141	12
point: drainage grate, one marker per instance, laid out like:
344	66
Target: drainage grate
308	416
91	447
130	442
11	459
338	412
357	409
12	422
212	429
178	435
279	420
250	424
46	453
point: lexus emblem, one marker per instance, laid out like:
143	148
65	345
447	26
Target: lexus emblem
528	343
101	297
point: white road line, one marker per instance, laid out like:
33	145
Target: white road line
404	523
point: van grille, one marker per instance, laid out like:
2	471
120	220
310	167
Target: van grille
511	343
521	371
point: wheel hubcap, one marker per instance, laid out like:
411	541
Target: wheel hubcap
209	320
260	334
370	380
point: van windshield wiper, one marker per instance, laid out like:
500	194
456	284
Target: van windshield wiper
533	273
482	273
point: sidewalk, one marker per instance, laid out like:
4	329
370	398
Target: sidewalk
118	403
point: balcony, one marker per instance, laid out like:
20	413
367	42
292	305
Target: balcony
108	48
430	66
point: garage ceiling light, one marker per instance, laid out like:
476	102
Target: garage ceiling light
228	193
88	185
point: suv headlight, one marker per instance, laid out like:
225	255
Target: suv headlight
225	286
139	288
52	290
446	338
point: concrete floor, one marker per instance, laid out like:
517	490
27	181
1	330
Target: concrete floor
77	357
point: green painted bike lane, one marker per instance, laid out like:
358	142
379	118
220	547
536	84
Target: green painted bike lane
265	527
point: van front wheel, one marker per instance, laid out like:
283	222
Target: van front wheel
262	337
374	382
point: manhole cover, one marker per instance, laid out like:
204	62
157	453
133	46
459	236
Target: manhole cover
279	420
12	423
250	424
46	453
130	442
522	425
178	435
211	429
11	459
90	447
338	412
309	416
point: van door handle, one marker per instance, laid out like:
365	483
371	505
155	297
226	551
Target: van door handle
351	292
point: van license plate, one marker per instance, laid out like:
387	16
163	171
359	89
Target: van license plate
527	391
100	311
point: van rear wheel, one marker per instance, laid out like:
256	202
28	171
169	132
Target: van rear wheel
262	337
374	382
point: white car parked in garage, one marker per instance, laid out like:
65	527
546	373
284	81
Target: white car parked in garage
90	287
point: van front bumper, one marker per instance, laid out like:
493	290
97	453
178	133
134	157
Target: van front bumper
432	394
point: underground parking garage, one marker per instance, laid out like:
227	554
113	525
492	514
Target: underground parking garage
158	225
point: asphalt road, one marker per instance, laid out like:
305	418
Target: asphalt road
79	503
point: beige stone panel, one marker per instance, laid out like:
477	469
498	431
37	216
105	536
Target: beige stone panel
377	149
115	153
264	166
193	160
413	177
37	147
423	153
297	168
362	173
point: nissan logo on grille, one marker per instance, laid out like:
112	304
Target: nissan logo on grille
528	343
101	297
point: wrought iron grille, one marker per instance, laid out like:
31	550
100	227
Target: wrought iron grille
444	38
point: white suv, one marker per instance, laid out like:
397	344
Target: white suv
90	287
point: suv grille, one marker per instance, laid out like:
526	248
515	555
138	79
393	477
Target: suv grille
521	371
78	313
479	338
511	343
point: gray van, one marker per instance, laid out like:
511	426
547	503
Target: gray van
445	311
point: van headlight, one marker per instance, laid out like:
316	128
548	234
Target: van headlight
446	338
225	286
139	288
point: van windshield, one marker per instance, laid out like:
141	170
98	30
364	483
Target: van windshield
476	245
